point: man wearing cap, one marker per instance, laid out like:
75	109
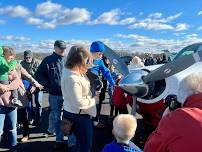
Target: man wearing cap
97	48
49	75
30	64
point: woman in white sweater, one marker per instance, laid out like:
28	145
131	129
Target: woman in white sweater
79	105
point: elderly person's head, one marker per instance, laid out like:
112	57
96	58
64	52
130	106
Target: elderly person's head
137	61
190	85
79	58
124	127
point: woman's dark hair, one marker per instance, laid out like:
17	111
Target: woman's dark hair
76	57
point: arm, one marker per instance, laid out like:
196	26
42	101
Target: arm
27	76
106	73
41	74
15	83
12	64
159	139
4	68
76	94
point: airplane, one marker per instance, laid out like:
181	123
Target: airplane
150	85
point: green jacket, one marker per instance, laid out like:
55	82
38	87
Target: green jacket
5	67
32	67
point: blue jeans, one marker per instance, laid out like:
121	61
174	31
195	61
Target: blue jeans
55	103
38	101
8	116
83	130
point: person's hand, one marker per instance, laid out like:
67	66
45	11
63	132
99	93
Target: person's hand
97	94
4	88
166	112
38	86
32	89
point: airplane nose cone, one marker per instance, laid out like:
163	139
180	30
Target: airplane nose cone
133	83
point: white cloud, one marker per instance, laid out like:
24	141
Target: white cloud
34	21
75	15
48	9
151	26
155	15
155	22
144	43
128	21
15	11
181	27
199	28
112	17
14	38
200	13
47	25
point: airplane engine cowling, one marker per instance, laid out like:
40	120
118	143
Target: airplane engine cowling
134	85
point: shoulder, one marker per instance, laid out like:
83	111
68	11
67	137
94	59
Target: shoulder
108	148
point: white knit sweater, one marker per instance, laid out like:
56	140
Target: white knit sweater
76	92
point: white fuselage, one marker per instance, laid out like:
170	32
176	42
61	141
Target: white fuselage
172	82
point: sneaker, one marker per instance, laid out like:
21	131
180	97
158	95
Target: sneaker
25	139
30	121
59	146
16	102
49	134
100	125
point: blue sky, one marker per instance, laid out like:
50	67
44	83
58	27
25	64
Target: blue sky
128	25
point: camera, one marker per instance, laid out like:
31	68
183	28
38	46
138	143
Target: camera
171	102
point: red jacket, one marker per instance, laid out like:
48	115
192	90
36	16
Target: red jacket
118	97
179	131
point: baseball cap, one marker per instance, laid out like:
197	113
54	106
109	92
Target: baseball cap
60	44
97	46
28	53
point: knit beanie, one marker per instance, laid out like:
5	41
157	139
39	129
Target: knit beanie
97	46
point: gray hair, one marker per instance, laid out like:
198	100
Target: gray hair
190	85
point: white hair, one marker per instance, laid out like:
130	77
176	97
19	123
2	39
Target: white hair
137	61
190	85
124	127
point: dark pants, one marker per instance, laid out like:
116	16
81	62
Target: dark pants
22	117
121	110
101	98
83	130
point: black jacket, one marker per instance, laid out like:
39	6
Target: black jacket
49	74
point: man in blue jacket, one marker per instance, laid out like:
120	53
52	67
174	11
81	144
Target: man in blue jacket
49	75
97	48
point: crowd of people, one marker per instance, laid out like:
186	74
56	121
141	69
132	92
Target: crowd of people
77	84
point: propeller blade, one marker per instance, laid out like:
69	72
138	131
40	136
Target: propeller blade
116	61
173	67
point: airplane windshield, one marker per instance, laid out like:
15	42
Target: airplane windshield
188	50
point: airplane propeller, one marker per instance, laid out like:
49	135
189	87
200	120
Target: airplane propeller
173	67
140	83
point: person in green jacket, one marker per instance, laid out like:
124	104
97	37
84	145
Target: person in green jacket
7	71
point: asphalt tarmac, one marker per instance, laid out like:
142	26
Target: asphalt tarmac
39	143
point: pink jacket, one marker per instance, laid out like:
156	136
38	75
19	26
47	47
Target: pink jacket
6	97
180	130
